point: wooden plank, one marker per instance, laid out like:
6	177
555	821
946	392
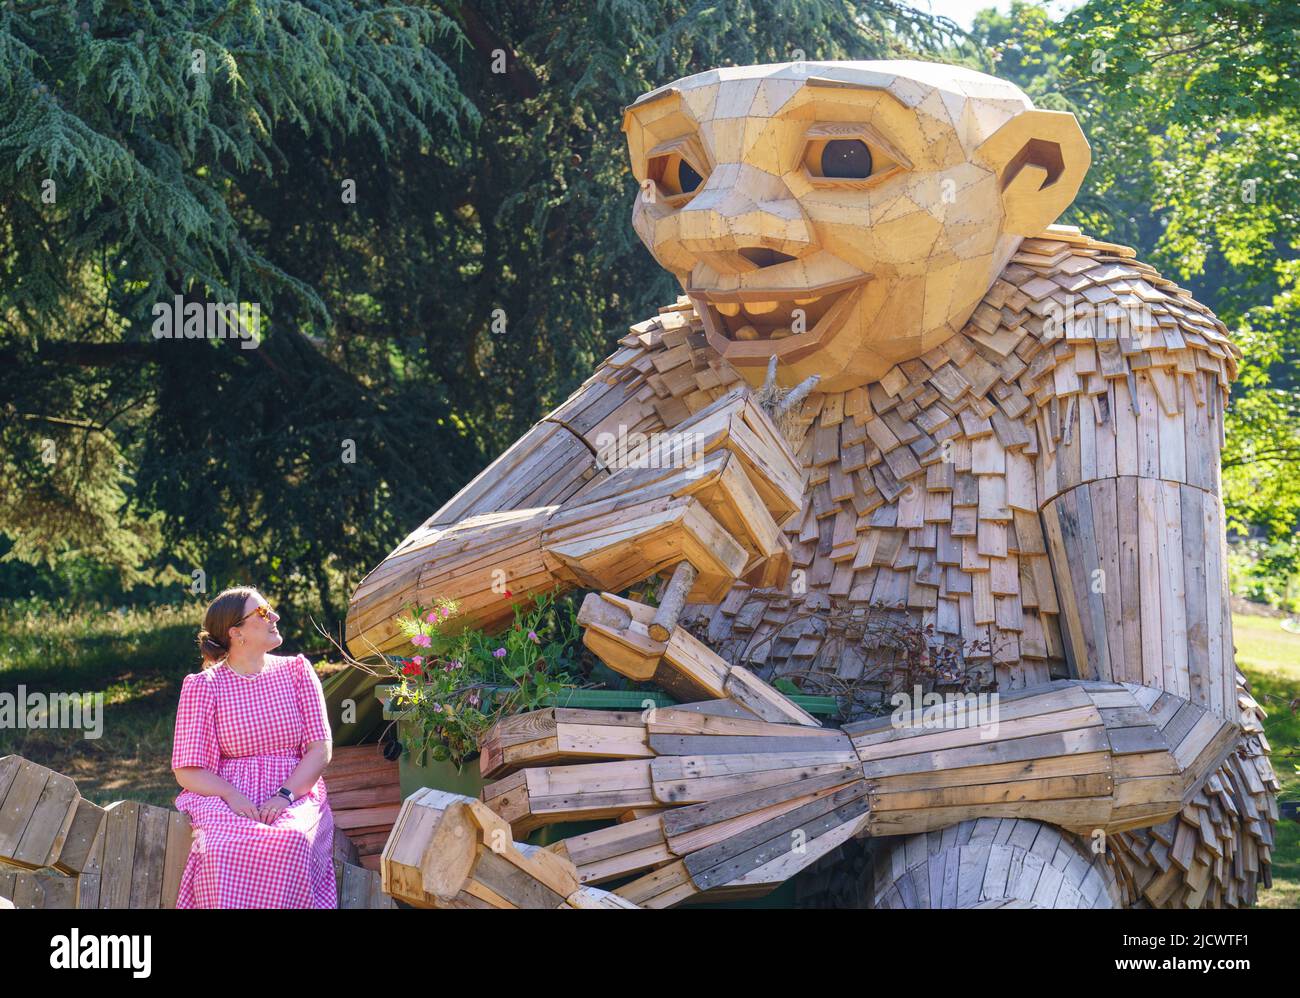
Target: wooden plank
726	861
120	830
27	782
49	823
1173	601
743	744
1088	785
717	787
148	871
1149	588
1038	724
1036	747
1073	765
1127	741
75	853
681	821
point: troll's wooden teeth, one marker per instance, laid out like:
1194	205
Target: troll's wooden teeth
807	301
745	333
760	307
728	307
779	333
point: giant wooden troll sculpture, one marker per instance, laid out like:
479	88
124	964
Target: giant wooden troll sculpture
910	394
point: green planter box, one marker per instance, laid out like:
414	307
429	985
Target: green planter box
818	706
440	775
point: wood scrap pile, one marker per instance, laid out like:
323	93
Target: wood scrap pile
710	796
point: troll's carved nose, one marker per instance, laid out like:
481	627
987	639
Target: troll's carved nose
737	234
743	218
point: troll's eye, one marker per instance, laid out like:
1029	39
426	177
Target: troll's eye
849	159
677	169
843	154
676	177
687	178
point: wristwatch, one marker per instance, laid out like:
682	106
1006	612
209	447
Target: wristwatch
286	793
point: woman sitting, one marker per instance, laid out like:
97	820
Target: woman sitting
252	739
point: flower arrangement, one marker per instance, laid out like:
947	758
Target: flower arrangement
456	686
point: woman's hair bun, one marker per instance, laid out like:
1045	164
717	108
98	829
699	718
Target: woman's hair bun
210	648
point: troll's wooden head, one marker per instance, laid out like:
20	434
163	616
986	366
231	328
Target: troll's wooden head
844	216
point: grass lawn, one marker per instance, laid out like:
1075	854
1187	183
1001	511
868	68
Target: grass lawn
137	659
1270	659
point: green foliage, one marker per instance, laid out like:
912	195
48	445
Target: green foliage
458	685
1266	572
143	153
63	498
1192	113
151	120
1190	110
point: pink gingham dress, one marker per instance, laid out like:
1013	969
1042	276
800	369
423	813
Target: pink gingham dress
253	730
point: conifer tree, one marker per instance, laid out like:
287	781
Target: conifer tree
427	201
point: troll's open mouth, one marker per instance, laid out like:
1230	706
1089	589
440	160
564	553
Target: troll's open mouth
748	316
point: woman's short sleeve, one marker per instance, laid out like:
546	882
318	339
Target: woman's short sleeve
315	718
195	742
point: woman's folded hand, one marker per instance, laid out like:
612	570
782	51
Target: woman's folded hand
241	805
271	807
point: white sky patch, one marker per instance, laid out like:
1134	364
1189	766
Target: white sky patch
964	11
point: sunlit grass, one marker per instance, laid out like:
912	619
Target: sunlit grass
135	658
80	649
1269	657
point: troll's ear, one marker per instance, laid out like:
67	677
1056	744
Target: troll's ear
1040	158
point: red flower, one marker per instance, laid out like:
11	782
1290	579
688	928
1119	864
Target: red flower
410	669
509	593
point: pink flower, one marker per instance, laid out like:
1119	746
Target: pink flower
421	641
473	699
433	617
499	653
532	636
418	659
453	665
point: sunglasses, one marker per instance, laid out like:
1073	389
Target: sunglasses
262	611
